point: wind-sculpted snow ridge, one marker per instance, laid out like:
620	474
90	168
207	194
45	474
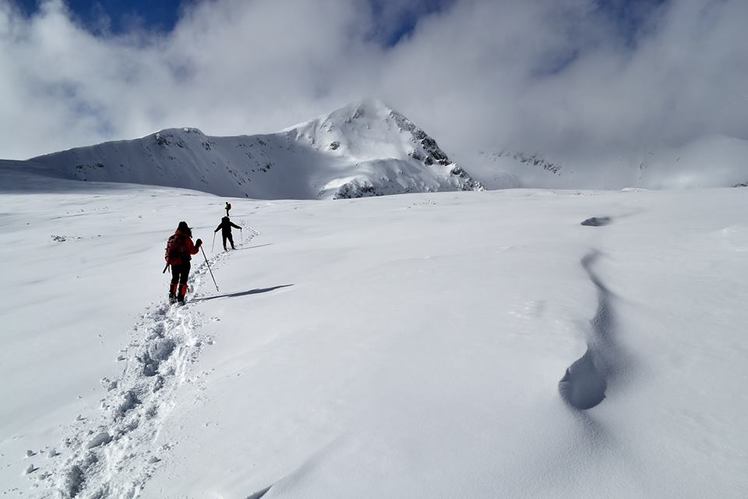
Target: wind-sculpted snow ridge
364	149
260	493
114	453
585	382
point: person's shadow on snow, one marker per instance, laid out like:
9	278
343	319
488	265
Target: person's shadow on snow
253	247
256	291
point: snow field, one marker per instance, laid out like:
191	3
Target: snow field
407	346
74	336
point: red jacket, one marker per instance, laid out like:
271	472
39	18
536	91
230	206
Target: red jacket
180	248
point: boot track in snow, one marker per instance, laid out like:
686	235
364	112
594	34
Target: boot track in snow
113	453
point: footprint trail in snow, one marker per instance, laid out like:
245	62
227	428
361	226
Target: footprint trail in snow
114	452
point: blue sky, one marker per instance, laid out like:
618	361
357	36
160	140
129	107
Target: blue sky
158	15
121	16
629	15
397	18
557	76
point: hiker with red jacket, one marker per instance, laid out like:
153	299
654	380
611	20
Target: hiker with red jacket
179	251
225	228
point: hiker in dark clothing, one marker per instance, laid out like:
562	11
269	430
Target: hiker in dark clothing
225	228
227	208
179	251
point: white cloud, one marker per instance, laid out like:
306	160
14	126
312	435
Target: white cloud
554	76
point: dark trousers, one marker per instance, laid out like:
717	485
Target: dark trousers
179	276
230	238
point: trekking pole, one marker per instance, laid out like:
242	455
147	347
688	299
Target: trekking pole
241	234
212	246
208	264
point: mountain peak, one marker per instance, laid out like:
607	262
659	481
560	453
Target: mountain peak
366	109
180	131
368	131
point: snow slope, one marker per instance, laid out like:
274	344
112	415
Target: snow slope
364	149
407	346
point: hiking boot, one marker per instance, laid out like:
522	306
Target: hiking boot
172	298
180	299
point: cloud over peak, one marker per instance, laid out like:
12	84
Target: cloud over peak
567	77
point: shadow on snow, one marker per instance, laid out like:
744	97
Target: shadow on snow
256	291
253	247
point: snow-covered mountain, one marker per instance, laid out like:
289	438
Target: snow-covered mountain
507	169
711	161
363	149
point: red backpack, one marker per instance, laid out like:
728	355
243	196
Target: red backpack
175	249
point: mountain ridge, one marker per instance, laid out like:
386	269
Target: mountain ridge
709	161
362	149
